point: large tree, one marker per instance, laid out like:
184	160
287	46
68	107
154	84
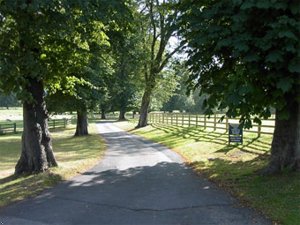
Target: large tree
83	84
37	39
158	26
245	55
127	51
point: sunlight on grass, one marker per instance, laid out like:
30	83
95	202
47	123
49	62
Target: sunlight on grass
233	167
15	113
74	155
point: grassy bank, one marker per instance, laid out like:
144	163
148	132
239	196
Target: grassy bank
74	155
233	167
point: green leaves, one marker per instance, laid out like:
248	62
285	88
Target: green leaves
285	84
294	66
287	34
274	57
62	42
257	63
264	4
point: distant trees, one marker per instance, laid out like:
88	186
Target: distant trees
166	83
9	100
181	98
127	51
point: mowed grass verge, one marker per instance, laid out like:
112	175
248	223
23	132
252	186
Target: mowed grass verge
74	155
233	167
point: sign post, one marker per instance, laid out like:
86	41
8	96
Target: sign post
235	133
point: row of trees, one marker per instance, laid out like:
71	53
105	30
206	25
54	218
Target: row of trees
59	50
80	56
242	59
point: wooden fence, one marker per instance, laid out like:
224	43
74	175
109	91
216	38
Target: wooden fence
52	123
214	123
58	123
8	128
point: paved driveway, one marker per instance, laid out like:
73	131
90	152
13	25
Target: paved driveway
138	182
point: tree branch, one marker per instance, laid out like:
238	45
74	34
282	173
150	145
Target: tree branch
166	60
154	39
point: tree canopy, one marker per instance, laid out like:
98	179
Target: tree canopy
245	56
45	44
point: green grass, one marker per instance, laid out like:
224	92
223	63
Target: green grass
233	167
74	155
11	114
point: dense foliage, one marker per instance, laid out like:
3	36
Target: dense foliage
245	54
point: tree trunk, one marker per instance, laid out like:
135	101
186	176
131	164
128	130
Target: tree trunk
82	123
122	115
143	120
285	145
103	116
297	144
37	154
133	114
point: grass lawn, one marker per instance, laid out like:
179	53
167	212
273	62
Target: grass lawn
11	114
74	155
233	167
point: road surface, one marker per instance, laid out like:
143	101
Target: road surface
138	182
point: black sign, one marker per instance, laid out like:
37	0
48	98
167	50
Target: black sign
235	133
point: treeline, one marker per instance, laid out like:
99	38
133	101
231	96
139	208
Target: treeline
9	100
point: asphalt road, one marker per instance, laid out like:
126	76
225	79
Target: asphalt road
138	182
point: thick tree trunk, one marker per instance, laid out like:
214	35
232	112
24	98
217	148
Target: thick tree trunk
82	124
103	116
37	154
143	120
285	144
122	115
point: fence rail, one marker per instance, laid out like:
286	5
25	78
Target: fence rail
8	128
214	122
58	123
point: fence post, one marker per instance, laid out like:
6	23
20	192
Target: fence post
196	120
53	124
163	117
189	119
204	121
215	122
171	118
258	130
15	127
182	119
226	124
